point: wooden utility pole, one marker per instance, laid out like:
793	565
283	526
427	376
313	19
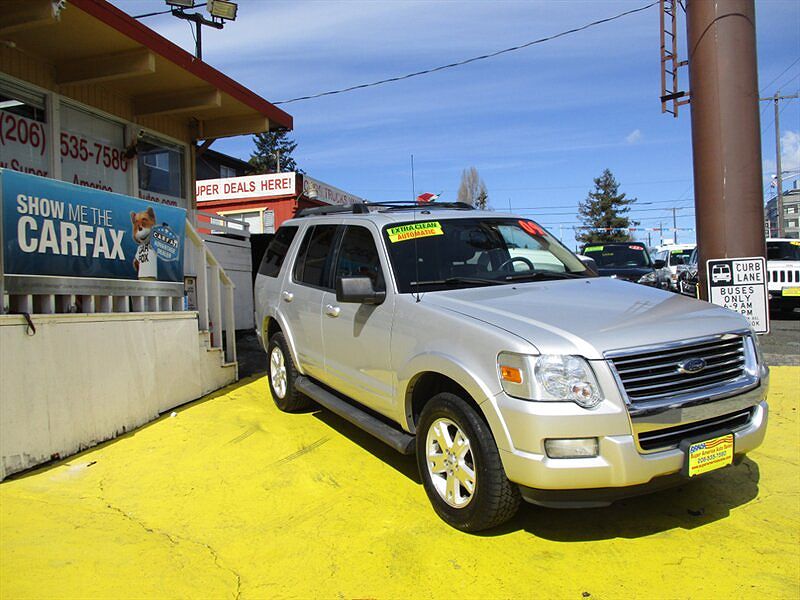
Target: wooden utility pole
726	133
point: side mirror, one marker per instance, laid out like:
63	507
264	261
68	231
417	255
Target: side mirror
358	290
588	262
659	264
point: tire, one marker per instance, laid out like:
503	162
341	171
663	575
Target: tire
446	477
281	374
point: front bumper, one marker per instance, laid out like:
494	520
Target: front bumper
620	464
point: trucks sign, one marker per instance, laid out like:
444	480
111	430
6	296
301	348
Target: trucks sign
740	284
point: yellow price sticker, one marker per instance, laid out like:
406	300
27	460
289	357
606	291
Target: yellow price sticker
414	231
594	249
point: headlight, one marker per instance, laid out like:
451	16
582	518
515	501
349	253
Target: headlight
550	377
648	277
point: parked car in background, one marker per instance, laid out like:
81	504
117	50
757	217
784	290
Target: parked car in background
783	268
688	279
675	256
628	260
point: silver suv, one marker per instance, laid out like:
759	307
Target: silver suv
480	343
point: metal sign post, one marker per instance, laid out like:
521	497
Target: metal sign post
740	284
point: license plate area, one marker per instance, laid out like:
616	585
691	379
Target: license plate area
708	453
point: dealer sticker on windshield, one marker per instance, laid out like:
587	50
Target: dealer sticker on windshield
709	455
414	231
594	249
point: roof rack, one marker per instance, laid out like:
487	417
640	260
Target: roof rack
360	208
356	208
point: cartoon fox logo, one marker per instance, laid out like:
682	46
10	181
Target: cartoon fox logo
145	261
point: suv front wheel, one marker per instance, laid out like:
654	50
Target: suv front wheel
460	466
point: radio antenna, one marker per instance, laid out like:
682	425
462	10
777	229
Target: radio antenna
414	213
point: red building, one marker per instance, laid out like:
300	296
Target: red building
265	201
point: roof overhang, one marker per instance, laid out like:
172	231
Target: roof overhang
91	41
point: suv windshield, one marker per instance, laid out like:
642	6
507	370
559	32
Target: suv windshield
783	250
679	256
618	255
447	253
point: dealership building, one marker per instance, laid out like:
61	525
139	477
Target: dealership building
115	308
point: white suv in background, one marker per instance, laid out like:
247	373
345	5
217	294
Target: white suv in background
783	268
674	256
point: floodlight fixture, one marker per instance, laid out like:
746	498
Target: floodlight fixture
181	3
222	9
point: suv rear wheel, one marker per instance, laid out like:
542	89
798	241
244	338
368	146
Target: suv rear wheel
460	466
282	375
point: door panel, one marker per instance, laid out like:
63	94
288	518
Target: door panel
357	337
302	296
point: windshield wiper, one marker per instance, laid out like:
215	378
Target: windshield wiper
544	274
456	280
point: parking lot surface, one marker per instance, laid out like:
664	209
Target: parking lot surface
230	498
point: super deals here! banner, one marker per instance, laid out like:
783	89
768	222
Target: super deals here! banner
55	228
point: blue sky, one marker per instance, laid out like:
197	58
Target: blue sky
538	124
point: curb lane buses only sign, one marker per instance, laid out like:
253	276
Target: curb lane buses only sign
740	284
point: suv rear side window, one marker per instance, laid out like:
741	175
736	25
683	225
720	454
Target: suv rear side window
313	266
358	257
276	251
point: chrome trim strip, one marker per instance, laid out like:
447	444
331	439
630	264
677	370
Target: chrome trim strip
667	346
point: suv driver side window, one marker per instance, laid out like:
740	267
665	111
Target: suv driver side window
358	257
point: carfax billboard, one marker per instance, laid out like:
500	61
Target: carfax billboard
51	227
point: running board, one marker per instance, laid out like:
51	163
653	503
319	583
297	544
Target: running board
397	439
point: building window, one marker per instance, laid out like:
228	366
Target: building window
226	171
23	134
92	150
161	172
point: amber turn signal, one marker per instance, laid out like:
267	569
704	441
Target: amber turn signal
511	374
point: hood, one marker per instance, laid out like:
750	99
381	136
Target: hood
589	316
629	273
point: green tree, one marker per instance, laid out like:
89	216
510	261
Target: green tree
604	212
472	189
270	146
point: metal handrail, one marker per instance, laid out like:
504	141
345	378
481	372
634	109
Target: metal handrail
214	307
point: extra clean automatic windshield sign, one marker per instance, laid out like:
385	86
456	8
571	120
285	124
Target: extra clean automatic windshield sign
55	228
740	284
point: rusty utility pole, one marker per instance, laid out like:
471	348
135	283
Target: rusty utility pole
726	136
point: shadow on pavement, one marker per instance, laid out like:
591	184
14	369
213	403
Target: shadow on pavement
693	504
405	465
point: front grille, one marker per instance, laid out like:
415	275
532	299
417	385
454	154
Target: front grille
654	374
784	276
673	436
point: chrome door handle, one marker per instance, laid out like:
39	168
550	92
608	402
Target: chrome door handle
288	296
332	311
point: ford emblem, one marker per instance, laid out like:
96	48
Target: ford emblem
691	366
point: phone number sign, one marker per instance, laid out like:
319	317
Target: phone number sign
740	284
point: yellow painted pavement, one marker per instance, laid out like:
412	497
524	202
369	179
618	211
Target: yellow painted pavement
233	498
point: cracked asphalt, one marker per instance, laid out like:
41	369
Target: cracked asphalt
230	498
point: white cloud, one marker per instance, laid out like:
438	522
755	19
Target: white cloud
790	158
790	151
634	137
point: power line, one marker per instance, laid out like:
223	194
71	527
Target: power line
796	60
469	60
